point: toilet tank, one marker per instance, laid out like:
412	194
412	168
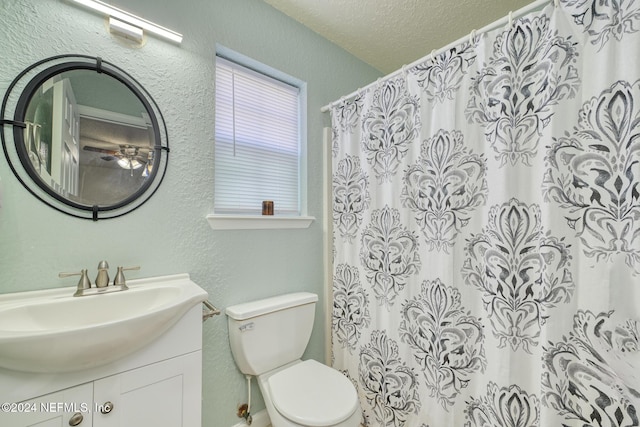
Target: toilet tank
269	333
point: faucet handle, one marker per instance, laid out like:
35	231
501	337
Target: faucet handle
83	283
119	279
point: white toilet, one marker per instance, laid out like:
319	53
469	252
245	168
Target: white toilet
268	338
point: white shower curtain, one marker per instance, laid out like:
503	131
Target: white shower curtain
486	216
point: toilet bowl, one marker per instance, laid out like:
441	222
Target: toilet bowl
268	338
308	393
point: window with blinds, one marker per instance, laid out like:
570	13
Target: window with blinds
257	148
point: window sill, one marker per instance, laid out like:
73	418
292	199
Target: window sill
254	222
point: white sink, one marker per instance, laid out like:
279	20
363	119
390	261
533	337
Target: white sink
53	331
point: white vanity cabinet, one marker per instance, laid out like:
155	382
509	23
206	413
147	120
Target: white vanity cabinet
165	394
45	412
159	386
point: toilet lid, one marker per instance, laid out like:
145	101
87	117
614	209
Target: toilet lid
312	394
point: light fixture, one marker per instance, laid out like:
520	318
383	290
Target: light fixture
125	30
126	17
128	158
126	163
130	164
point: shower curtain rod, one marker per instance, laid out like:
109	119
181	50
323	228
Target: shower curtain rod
538	4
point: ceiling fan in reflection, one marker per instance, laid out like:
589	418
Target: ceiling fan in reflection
128	156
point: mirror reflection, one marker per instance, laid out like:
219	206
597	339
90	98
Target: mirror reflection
89	138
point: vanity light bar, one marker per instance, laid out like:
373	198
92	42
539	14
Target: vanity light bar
131	19
125	30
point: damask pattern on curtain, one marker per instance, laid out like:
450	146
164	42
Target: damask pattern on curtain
486	215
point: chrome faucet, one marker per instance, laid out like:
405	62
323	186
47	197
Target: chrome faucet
102	279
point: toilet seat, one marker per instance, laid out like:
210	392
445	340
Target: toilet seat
312	394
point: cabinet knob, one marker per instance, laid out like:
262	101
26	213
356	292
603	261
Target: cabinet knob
106	407
76	419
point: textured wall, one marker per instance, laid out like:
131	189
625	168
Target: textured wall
169	234
395	32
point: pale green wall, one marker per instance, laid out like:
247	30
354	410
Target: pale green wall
169	234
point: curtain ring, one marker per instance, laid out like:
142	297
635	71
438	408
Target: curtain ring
378	82
404	71
432	55
510	19
472	37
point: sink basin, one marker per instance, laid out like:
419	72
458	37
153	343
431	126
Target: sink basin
52	331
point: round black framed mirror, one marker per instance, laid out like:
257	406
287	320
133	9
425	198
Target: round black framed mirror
84	137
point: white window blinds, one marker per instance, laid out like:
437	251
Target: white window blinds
257	152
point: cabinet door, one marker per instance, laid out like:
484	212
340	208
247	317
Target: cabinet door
164	394
70	407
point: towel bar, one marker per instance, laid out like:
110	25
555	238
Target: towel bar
213	311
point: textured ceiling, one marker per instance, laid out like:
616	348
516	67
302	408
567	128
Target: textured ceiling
390	33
